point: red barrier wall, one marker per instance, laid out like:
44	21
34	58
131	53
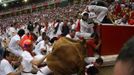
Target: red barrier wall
114	37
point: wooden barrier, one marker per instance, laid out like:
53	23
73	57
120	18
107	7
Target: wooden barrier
114	37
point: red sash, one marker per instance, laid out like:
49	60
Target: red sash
78	26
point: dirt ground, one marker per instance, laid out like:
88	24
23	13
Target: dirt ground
106	70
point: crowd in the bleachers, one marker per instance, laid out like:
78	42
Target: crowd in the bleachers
69	12
120	14
31	36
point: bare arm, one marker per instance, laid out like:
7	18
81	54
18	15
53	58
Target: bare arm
98	45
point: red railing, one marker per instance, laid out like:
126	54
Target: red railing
114	37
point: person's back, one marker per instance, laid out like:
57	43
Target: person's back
14	45
5	67
26	36
26	61
100	7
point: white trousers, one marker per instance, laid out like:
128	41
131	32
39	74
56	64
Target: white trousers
44	71
99	10
89	60
85	35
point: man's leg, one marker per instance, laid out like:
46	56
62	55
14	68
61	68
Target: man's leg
99	10
102	14
44	71
84	35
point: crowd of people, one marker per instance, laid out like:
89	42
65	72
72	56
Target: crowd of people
24	6
120	13
123	13
32	36
69	12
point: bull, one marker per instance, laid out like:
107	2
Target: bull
67	57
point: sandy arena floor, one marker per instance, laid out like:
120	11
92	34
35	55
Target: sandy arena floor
106	71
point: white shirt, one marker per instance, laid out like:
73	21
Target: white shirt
68	36
85	29
5	67
73	26
36	29
11	30
39	39
90	61
38	47
26	61
42	30
45	29
59	31
13	45
92	15
50	31
41	45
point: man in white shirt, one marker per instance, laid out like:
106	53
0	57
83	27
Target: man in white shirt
5	65
72	24
40	37
58	28
12	31
92	68
28	61
100	8
72	35
86	29
46	28
14	43
43	47
51	30
27	58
